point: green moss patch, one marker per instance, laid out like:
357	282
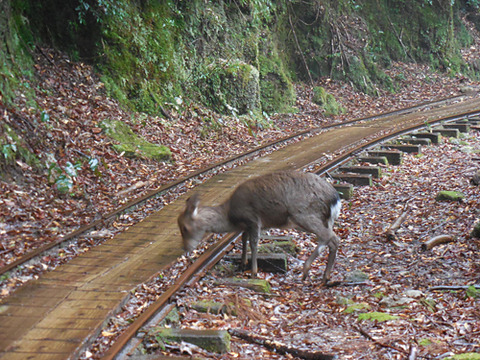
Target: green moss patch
356	307
449	196
466	356
132	145
327	101
233	86
377	316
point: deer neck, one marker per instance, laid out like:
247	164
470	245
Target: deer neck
215	219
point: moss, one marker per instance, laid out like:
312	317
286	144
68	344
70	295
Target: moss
277	92
131	144
356	307
450	196
377	316
288	247
465	356
327	101
232	87
214	307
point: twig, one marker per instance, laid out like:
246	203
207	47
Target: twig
437	240
342	283
280	348
300	49
379	343
452	287
413	353
390	233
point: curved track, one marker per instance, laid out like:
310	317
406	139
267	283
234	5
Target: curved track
60	313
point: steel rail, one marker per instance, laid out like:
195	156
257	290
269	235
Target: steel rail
216	251
157	192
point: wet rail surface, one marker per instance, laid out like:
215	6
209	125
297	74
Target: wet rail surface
55	316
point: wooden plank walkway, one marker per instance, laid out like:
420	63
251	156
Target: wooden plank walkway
53	317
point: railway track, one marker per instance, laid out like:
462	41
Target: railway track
68	306
234	161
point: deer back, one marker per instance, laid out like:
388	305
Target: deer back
275	200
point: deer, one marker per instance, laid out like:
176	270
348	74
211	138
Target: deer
288	199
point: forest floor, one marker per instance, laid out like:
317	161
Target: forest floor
389	310
67	136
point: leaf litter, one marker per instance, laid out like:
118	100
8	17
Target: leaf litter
67	134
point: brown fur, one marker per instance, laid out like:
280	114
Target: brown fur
277	200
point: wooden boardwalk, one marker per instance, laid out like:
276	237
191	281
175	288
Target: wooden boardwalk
54	316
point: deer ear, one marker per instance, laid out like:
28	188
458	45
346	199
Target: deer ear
192	205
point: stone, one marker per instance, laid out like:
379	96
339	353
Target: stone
266	262
476	230
355	179
217	341
345	190
394	157
258	285
356	276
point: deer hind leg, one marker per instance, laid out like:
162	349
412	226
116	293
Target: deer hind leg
332	254
250	235
325	236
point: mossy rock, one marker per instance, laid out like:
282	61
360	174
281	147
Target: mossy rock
377	316
465	356
213	307
173	317
327	101
288	247
132	145
476	230
233	86
450	196
277	91
217	341
356	307
258	285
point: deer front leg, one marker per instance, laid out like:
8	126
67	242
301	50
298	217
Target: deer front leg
245	237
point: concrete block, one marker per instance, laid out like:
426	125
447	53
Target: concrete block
462	127
394	157
266	262
355	179
258	285
373	160
413	149
375	171
434	137
415	141
447	132
217	341
345	190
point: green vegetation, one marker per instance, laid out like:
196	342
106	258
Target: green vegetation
238	58
466	356
377	316
327	101
450	196
132	145
149	52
